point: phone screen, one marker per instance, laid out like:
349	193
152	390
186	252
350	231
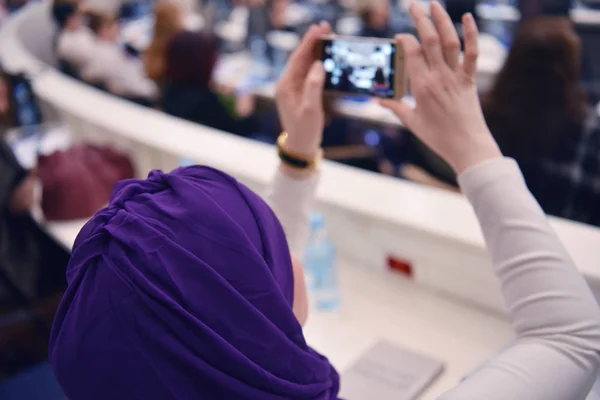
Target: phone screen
359	66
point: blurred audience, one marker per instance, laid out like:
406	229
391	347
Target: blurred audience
168	17
76	43
111	66
539	116
188	89
29	259
375	15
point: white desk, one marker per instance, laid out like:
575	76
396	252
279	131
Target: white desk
585	16
65	232
379	307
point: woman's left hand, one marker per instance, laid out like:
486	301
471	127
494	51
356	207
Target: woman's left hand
299	96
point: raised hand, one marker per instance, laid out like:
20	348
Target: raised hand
448	116
299	96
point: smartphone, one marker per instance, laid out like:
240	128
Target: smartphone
362	66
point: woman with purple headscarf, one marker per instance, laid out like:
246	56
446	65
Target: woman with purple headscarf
184	288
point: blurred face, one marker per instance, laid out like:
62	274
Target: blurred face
74	22
110	32
278	10
379	15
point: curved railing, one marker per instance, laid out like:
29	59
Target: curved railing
373	218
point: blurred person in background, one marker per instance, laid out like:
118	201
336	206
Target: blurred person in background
276	11
29	258
375	16
538	113
189	92
168	21
76	43
122	74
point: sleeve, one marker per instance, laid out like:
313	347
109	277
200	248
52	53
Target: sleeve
556	354
92	72
62	48
134	78
292	201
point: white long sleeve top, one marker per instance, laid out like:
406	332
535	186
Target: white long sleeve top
77	47
123	75
556	354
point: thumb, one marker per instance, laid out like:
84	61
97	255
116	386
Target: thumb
312	94
402	109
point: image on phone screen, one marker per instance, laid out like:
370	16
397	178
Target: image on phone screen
361	67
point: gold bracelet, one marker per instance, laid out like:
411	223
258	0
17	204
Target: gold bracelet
294	160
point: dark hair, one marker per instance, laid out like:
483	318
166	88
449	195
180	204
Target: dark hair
62	11
191	57
536	97
536	8
98	20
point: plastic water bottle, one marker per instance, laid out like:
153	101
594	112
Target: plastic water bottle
185	161
320	267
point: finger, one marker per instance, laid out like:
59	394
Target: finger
303	57
471	35
428	35
402	109
313	86
448	35
413	55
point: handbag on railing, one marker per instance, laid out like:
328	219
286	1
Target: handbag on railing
78	182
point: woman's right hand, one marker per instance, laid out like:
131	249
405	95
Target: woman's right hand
448	116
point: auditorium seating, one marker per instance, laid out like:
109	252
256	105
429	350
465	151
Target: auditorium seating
375	220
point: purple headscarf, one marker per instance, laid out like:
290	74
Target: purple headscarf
182	288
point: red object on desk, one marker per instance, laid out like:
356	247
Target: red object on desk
401	266
78	182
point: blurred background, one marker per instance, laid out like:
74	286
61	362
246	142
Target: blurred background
214	64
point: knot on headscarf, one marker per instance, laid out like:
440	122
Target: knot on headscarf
182	288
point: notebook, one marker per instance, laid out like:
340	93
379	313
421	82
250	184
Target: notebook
389	372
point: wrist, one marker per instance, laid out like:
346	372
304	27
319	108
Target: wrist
297	144
476	153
